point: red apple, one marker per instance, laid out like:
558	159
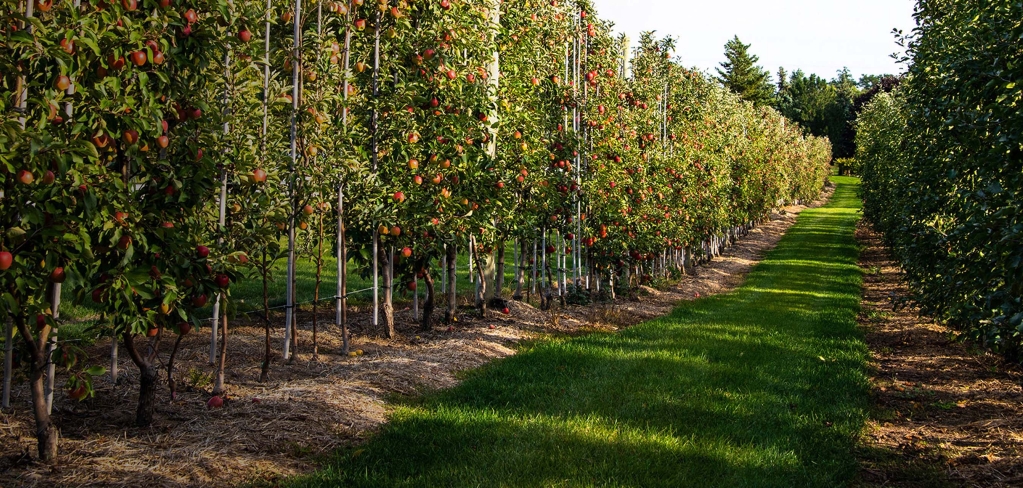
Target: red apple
399	197
190	16
406	252
222	281
215	402
124	243
162	142
308	210
40	321
199	301
202	251
130	5
396	231
184	328
505	311
412	286
130	136
258	175
6	259
48	177
445	4
25	177
245	35
138	58
78	394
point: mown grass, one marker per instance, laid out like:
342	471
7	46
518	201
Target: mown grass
765	386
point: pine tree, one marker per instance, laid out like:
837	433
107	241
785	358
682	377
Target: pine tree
742	76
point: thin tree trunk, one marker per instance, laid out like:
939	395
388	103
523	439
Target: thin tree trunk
452	259
171	384
264	373
499	271
316	292
46	432
387	258
218	389
427	322
148	375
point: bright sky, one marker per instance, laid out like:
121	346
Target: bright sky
817	36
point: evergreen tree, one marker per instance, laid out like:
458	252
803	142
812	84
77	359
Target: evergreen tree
742	76
783	80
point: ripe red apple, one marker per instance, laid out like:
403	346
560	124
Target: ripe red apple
259	175
202	251
165	3
396	231
97	295
244	35
199	301
130	136
138	58
399	197
308	210
506	311
452	74
40	321
360	24
412	286
162	142
500	185
406	252
115	63
48	177
184	328
79	393
190	16
130	5
413	164
25	177
124	243
445	4
413	137
215	402
417	179
222	281
6	259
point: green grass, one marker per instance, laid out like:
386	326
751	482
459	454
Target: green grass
765	386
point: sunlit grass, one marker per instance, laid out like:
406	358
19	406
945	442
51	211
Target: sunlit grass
765	386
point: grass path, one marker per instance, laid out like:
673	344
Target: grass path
764	386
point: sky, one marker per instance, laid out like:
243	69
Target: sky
817	36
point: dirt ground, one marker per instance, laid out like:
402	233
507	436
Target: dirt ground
945	413
268	431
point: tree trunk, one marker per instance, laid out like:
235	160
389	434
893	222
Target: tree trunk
520	270
218	388
148	375
386	261
170	368
264	373
499	271
481	284
427	322
452	258
46	432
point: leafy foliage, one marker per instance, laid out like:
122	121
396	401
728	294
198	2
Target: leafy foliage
942	168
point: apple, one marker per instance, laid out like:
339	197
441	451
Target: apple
25	177
40	321
413	137
452	74
406	252
190	16
130	5
399	197
130	136
199	301
138	58
202	251
6	259
308	210
62	83
412	285
445	4
383	230
222	281
167	225
396	231
259	175
417	179
500	185
115	63
165	3
124	243
506	311
48	177
413	164
244	35
119	217
78	394
44	5
215	402
360	24
184	328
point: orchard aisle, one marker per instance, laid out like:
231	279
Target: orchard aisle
764	386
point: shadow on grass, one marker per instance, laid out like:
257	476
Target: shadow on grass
765	386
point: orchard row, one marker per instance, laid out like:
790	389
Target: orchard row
154	152
942	171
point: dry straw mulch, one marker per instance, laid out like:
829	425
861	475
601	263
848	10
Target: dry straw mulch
945	412
272	430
